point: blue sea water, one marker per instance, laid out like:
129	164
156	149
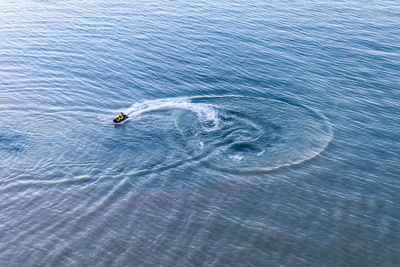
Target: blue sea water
261	133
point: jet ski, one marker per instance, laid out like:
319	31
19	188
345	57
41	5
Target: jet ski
120	118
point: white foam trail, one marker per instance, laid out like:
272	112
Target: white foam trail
206	113
243	128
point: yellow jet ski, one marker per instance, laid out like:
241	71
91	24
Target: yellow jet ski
120	118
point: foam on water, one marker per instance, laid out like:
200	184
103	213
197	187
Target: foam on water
235	133
205	112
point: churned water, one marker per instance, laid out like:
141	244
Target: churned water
261	133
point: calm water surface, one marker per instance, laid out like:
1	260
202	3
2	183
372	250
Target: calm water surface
261	133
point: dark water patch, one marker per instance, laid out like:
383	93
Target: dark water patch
12	142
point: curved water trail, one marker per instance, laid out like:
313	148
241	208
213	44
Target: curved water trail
230	133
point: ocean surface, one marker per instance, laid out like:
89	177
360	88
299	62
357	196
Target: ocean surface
261	133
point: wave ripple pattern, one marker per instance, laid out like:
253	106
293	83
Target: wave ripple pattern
231	133
260	133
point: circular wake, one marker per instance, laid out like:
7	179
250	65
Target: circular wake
229	133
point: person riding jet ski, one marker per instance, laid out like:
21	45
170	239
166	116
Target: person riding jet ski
120	118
